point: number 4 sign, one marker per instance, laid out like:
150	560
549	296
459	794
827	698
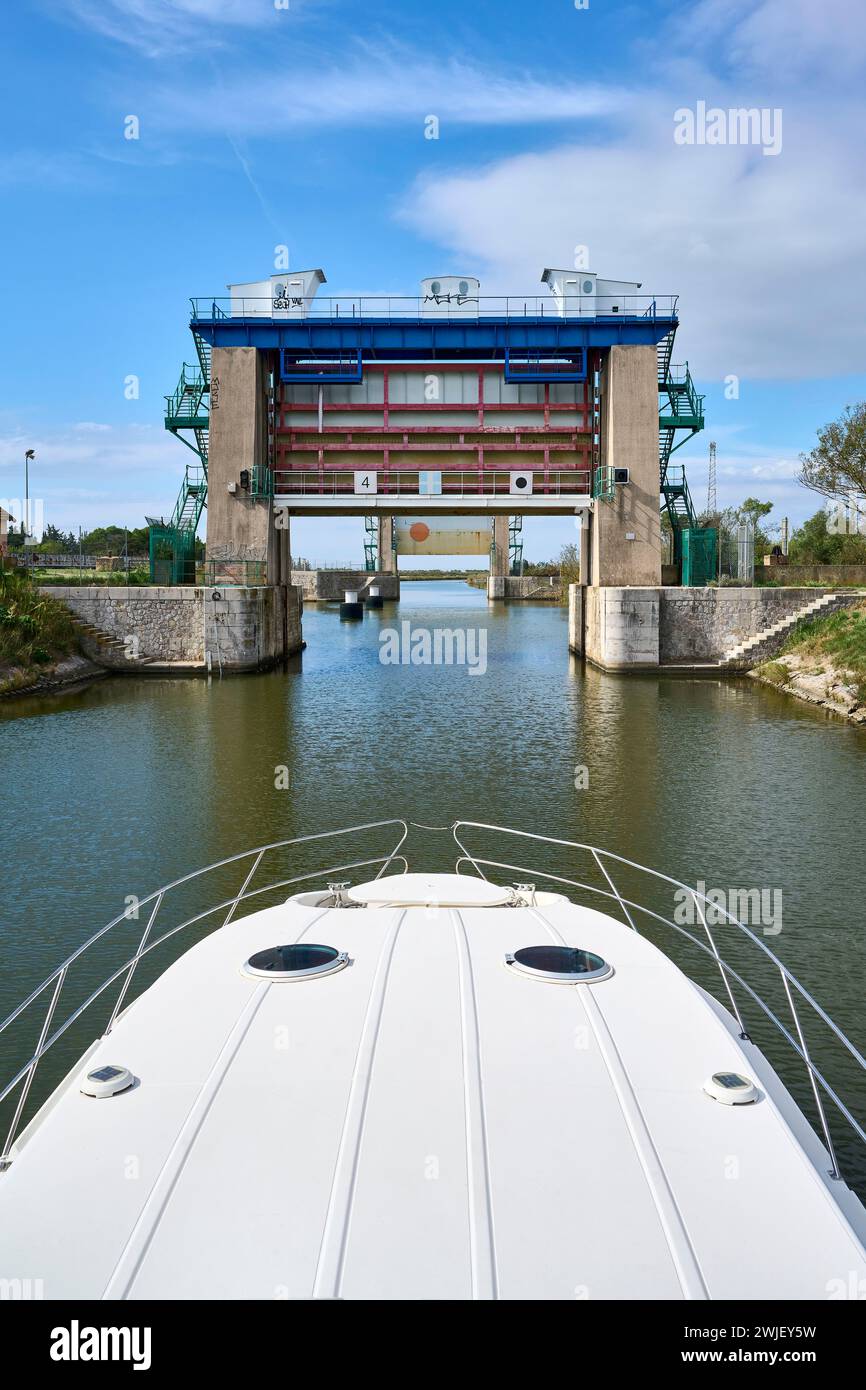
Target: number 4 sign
365	482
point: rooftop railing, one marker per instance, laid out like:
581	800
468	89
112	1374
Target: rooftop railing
413	307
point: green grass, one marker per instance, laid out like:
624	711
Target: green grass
35	631
838	640
776	672
92	577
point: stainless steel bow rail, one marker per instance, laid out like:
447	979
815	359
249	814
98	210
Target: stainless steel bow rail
52	987
604	860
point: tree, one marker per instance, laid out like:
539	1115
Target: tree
814	543
569	565
57	542
752	513
836	467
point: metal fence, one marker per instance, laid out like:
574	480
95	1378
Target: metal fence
318	482
437	307
235	573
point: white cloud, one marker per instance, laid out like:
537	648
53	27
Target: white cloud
783	38
765	253
93	474
377	85
157	27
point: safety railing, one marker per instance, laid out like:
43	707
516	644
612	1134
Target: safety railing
51	988
683	396
607	863
185	402
604	860
392	482
438	307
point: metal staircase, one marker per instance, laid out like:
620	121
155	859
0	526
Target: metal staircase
187	416
371	542
681	409
752	651
515	544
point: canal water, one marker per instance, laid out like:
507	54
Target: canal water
114	789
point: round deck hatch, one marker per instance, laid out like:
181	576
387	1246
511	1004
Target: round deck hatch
561	965
107	1080
731	1088
295	962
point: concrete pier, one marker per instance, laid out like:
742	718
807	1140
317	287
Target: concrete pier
625	544
240	526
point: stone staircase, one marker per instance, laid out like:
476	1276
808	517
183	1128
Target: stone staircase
107	649
755	650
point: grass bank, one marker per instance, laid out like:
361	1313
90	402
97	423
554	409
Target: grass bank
838	641
35	632
824	662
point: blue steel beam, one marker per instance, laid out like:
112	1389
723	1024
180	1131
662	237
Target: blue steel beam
424	339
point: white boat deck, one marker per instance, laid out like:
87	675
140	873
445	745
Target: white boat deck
425	1123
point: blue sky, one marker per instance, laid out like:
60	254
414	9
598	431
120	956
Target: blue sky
304	125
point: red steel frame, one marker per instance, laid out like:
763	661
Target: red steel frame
292	444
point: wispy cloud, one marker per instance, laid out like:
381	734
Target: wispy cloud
377	85
91	473
158	27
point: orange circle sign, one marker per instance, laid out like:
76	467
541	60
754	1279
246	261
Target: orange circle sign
418	531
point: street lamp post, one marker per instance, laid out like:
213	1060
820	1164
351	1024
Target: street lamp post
25	520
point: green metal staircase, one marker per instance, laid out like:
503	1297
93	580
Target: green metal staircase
681	409
515	544
187	416
371	542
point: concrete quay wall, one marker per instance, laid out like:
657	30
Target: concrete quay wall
153	628
644	627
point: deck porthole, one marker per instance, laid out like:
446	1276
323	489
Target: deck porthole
295	962
107	1080
559	965
731	1088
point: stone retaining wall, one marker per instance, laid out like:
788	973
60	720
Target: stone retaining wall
329	586
622	628
232	629
699	625
527	586
852	575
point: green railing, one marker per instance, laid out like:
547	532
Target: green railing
603	485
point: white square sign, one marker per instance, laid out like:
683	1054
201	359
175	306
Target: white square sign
366	483
521	483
